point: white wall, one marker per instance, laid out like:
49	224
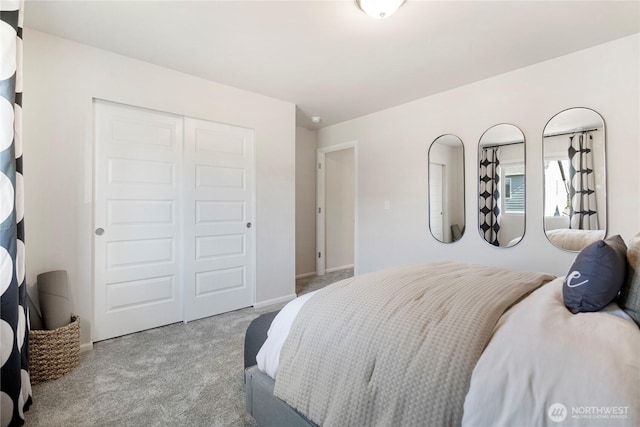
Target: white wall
393	149
339	209
60	80
305	201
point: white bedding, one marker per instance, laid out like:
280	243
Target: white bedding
268	357
541	355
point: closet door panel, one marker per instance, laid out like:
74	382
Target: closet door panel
219	235
137	219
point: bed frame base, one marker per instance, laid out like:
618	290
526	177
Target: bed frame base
267	409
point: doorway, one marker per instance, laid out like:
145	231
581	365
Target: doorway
337	191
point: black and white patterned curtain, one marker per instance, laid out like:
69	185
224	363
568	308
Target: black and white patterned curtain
15	394
489	202
582	183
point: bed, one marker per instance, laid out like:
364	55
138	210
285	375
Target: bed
445	344
572	239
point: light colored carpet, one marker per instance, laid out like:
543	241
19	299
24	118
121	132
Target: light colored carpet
313	283
178	375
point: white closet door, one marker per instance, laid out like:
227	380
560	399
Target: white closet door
219	236
138	219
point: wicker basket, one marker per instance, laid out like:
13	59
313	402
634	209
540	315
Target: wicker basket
54	353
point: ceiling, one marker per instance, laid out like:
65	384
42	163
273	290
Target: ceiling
328	57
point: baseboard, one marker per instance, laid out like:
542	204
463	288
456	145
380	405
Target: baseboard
303	275
86	347
274	301
342	267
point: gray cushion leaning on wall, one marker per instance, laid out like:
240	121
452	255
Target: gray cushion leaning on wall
55	303
629	299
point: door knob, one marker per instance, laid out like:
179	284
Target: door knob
99	231
248	225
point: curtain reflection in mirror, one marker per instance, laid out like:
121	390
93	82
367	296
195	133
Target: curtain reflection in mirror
582	189
489	203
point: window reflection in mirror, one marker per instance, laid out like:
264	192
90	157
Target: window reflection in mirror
501	185
446	188
574	178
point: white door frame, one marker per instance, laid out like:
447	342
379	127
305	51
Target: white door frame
321	202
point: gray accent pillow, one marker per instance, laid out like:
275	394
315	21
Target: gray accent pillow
596	276
629	299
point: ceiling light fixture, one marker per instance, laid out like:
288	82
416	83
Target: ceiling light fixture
379	9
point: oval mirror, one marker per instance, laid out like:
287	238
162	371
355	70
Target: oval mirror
501	185
575	204
446	188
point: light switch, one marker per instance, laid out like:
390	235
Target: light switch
387	205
